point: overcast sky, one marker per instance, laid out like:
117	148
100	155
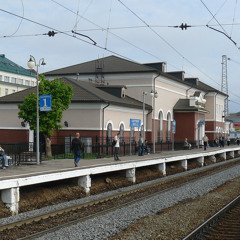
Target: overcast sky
139	30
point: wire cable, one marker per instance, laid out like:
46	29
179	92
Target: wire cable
91	43
234	17
224	31
20	23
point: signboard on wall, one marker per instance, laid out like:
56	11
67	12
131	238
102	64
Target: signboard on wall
135	122
236	125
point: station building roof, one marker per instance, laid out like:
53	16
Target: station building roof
83	92
116	65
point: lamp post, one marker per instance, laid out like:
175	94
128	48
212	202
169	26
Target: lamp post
154	95
31	64
144	94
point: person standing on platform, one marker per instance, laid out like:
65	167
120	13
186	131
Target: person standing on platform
77	149
228	140
205	141
116	147
3	157
140	145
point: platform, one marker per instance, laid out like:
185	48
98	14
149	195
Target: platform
11	179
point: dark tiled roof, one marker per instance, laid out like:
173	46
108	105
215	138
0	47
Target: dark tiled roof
110	64
183	105
83	92
235	117
114	64
7	65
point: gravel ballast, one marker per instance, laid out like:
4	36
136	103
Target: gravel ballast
109	225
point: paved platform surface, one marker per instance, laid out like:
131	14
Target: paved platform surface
62	165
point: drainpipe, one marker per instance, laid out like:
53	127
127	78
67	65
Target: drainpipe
188	90
153	127
103	122
215	113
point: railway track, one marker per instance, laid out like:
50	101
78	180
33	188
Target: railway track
222	225
37	226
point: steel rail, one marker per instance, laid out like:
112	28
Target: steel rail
124	194
209	222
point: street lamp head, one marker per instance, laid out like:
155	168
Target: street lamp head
43	63
154	94
31	63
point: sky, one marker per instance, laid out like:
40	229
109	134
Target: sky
143	31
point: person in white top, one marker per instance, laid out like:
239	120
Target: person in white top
205	141
116	147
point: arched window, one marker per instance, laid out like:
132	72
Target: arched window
109	133
168	127
160	126
121	130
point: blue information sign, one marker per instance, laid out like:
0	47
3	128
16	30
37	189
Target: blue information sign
135	122
173	126
45	103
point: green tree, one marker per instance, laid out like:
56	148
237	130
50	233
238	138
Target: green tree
49	121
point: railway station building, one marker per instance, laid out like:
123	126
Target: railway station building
110	91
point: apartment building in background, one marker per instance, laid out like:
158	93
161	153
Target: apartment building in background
14	78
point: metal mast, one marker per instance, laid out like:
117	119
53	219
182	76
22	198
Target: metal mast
224	86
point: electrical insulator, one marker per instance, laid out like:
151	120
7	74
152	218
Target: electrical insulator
51	33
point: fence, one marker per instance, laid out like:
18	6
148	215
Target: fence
24	153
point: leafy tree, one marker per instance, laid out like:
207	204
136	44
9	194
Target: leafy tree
49	121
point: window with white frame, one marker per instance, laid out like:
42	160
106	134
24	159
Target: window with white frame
6	79
27	83
168	127
20	81
6	91
13	91
121	130
109	132
160	127
14	80
0	77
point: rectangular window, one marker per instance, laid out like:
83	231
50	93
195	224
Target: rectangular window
20	81
6	79
0	77
14	80
6	91
13	91
27	82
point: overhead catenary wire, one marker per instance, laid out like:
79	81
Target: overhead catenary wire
172	47
234	17
222	32
45	26
93	44
20	23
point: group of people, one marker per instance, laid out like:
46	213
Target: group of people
143	148
220	142
188	145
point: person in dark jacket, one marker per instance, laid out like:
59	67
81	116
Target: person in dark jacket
77	149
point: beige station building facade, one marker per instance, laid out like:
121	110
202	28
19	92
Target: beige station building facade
110	91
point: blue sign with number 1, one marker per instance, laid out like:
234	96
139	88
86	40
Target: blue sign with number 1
45	103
